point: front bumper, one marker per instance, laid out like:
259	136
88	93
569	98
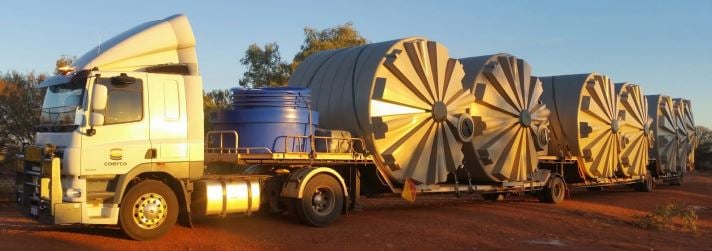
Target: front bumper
41	194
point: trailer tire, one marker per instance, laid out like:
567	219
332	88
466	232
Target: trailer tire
159	200
322	201
678	181
554	192
647	184
493	196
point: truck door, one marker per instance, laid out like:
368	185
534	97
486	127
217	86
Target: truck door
169	123
122	142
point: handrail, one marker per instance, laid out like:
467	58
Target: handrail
250	150
311	127
221	148
298	145
233	150
296	141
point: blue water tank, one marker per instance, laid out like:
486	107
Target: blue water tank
272	118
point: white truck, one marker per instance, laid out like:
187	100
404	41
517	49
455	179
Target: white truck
122	141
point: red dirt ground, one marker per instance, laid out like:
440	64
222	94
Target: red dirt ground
587	221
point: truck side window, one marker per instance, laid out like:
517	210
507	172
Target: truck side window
124	102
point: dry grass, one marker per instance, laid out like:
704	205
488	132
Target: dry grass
663	218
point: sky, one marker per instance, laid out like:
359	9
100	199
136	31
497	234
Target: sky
665	46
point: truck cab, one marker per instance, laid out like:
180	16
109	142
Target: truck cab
128	110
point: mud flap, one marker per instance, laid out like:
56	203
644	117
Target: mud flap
184	217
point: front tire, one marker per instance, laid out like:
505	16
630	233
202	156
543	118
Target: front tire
322	201
148	211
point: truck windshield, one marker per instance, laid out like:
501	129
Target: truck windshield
61	102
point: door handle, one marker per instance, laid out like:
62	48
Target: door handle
151	153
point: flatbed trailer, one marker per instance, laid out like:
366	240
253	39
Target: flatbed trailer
570	169
566	168
358	165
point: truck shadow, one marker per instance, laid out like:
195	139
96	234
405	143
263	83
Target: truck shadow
12	220
277	218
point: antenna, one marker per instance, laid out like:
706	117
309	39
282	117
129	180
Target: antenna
98	48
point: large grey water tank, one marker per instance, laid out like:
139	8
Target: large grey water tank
683	137
584	121
511	123
404	97
636	134
688	120
665	147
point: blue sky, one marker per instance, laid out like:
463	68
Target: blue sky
666	46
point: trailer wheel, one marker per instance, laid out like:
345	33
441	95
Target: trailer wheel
493	196
554	191
678	182
646	185
148	211
322	201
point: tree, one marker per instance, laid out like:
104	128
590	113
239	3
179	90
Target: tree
340	36
20	103
703	154
213	101
265	67
220	99
63	61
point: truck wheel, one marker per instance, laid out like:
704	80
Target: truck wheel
493	196
646	185
554	191
148	211
322	202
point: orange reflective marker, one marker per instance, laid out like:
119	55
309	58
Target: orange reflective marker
409	190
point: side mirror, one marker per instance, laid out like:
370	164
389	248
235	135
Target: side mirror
97	119
99	97
98	102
